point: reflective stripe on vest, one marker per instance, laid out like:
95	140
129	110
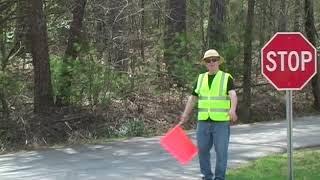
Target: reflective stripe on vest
212	110
214	98
213	102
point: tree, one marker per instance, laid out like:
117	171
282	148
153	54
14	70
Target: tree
203	40
283	16
248	61
142	26
7	10
3	102
118	27
262	15
175	35
4	79
72	52
39	51
311	35
272	17
22	28
297	15
216	32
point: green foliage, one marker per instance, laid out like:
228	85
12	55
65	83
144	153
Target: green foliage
4	79
77	47
107	132
12	84
185	59
56	69
233	64
186	72
93	81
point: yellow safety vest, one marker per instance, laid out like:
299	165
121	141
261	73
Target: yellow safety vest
213	102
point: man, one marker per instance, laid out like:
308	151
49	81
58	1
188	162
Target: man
217	102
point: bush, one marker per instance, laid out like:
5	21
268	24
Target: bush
132	128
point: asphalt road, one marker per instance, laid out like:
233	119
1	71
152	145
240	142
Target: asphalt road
144	159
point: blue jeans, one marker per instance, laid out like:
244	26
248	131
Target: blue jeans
217	134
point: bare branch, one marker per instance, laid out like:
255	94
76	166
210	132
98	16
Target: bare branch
120	12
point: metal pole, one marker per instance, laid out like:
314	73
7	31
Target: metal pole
289	133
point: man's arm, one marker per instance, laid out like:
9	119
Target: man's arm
233	108
187	110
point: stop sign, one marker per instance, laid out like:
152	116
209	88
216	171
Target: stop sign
288	61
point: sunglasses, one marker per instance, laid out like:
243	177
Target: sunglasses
208	60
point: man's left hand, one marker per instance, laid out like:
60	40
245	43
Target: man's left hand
233	116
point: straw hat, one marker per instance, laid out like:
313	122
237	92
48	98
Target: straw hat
213	53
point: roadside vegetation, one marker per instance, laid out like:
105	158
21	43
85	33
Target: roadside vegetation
306	166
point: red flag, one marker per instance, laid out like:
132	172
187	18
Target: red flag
179	145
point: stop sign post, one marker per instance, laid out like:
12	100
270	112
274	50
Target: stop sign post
288	62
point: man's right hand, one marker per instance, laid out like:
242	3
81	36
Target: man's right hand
182	119
187	110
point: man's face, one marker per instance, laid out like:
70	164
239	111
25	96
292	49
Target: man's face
212	63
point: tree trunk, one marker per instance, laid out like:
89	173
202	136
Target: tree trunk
175	34
203	39
22	28
142	29
157	14
282	27
216	32
311	35
272	28
248	62
297	16
72	52
4	105
262	22
111	35
3	60
119	29
101	33
39	50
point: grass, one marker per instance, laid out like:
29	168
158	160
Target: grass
306	166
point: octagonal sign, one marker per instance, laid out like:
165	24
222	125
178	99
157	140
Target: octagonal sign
288	61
